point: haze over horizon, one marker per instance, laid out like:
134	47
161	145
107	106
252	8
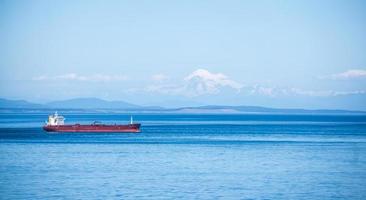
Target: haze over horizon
303	54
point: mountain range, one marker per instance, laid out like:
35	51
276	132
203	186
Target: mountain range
97	105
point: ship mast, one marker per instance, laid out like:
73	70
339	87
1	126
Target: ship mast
131	120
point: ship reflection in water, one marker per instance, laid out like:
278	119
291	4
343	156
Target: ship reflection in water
56	123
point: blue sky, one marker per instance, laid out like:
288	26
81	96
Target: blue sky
298	54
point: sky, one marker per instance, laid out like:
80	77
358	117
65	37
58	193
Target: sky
285	54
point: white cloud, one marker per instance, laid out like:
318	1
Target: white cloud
166	89
273	91
349	74
159	77
77	77
326	93
261	90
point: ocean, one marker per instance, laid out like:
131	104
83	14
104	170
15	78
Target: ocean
186	156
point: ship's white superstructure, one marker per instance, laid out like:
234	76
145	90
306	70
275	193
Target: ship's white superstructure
55	119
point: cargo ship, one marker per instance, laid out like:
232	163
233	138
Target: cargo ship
56	123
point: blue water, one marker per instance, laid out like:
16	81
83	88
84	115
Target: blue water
186	157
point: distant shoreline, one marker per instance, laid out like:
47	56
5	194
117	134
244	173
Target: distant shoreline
94	105
172	111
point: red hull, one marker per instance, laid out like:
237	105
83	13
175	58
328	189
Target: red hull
95	128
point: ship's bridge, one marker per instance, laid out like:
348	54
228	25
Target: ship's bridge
55	119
